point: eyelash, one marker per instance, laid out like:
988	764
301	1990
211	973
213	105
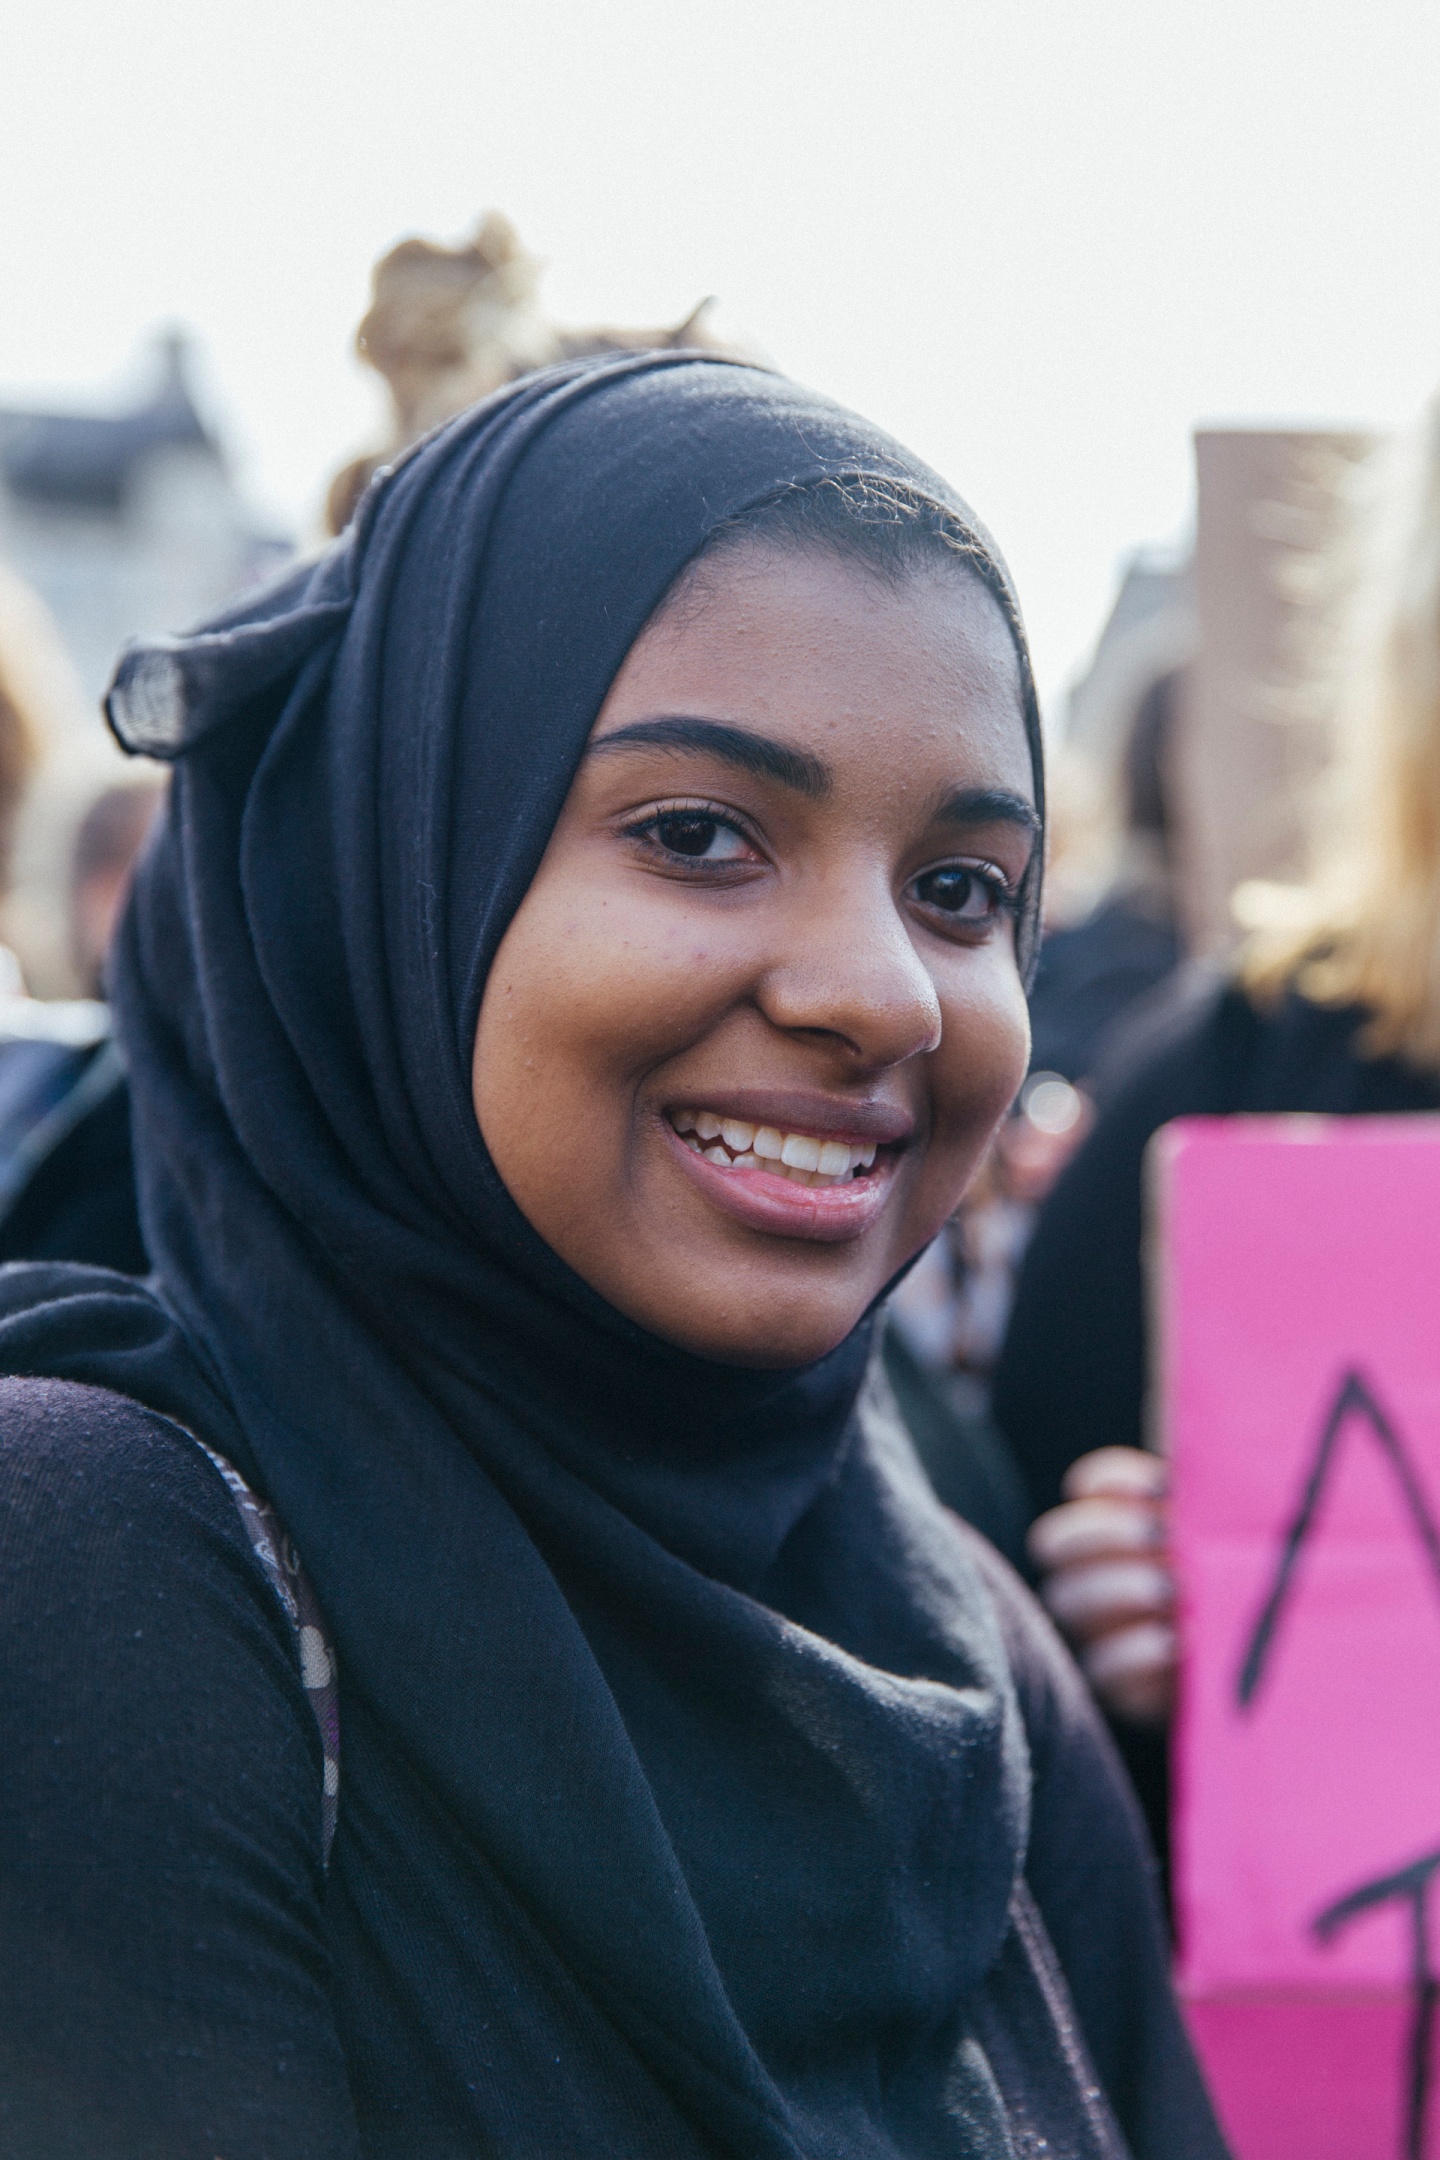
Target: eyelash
1005	898
646	831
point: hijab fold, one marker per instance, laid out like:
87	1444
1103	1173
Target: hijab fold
629	1841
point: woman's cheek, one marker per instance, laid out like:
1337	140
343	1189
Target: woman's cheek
627	986
984	1053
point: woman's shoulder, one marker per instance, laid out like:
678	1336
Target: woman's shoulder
112	1484
1317	1057
1183	1050
132	1588
1210	1047
47	1424
161	1905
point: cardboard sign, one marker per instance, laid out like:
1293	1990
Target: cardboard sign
1298	1298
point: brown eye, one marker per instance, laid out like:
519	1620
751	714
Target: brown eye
964	895
698	836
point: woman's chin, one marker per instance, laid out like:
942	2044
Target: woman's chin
771	1335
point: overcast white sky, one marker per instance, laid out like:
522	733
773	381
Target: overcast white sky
1038	239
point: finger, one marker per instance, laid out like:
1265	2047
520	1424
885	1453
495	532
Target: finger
1092	1601
1133	1671
1095	1530
1115	1472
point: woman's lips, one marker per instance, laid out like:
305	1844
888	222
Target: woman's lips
770	1201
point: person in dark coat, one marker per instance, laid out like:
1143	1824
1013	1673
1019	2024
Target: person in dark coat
1333	1008
483	1672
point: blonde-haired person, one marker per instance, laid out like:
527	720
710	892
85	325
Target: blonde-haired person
1333	1006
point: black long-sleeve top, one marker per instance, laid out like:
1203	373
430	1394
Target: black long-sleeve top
174	1966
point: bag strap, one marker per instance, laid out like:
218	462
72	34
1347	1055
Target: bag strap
281	1563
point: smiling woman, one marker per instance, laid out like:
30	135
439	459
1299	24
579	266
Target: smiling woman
582	963
766	974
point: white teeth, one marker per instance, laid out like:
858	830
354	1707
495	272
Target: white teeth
734	1144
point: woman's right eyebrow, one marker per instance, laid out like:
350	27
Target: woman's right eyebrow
797	769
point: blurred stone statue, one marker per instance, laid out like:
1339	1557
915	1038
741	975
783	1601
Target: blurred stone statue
446	326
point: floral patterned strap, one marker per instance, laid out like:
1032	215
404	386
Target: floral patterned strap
281	1562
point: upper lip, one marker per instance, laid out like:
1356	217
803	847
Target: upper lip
826	1116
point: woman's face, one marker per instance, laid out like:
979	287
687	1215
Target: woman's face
757	1016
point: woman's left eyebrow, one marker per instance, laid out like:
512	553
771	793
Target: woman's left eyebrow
988	806
797	769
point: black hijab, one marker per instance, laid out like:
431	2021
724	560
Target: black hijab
684	1792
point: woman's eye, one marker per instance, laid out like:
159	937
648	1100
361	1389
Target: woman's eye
699	837
965	896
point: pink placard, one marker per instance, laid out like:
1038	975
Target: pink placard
1297	1286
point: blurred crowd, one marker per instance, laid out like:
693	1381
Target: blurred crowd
1017	1347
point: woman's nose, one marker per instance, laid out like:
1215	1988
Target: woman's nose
850	970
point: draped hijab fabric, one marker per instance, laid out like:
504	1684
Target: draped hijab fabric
684	1793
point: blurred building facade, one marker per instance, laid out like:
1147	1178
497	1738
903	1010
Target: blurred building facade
129	520
1237	623
1151	630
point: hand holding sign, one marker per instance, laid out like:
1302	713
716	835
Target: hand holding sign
1105	1576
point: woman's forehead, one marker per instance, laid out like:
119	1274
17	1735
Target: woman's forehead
825	648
